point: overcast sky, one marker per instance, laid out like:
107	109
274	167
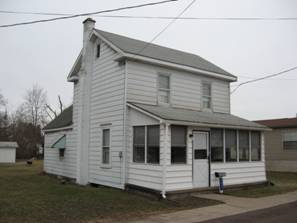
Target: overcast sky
44	53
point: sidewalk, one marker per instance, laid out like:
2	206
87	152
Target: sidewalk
232	206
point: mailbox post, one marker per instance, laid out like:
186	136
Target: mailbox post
220	175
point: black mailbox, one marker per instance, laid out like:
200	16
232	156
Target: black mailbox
220	174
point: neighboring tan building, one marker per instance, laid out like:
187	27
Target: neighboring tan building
281	144
149	116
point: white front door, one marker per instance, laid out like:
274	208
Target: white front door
200	159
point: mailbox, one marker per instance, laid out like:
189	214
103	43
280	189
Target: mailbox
220	174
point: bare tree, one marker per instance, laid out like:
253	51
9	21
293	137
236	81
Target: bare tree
3	101
35	106
52	113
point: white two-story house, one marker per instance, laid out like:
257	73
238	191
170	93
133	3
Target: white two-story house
152	117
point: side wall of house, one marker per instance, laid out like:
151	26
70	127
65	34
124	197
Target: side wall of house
66	166
53	163
185	87
144	175
106	112
278	158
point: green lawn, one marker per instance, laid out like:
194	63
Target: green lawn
283	183
26	195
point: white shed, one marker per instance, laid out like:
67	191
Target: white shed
7	152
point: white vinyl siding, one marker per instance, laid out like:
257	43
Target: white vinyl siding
68	165
7	155
53	163
185	87
106	111
142	174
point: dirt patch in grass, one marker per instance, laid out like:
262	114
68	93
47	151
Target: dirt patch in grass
280	183
28	196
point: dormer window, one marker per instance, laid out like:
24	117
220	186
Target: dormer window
206	96
163	89
98	51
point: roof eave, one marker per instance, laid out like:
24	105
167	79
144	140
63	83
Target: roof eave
73	76
174	65
69	127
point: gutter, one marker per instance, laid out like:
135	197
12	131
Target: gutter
174	65
70	127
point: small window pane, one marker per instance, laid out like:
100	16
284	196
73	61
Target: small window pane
178	135
163	96
163	81
206	102
138	134
98	51
243	146
138	154
256	146
106	137
216	142
105	155
290	139
178	144
231	145
138	144
292	145
153	144
206	89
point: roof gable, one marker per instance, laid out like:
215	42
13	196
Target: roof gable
62	120
136	47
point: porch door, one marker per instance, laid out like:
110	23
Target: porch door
200	159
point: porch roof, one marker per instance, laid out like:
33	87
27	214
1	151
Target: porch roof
198	118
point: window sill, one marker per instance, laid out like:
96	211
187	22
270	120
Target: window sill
105	166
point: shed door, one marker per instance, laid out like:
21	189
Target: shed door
200	159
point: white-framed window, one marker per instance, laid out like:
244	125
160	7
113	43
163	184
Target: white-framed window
178	144
237	145
255	146
98	50
206	96
146	144
105	146
164	88
231	145
216	145
289	138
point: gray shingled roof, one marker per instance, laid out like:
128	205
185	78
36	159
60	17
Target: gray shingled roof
133	46
63	120
205	118
8	144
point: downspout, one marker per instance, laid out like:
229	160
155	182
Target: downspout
163	194
124	156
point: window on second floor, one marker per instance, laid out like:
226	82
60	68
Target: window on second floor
98	49
163	88
206	96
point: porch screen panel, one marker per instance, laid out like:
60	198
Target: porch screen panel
243	146
153	144
178	144
231	145
216	145
138	144
256	146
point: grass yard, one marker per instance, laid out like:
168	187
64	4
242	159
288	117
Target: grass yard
283	183
26	195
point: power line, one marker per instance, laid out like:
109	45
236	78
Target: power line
87	14
167	26
155	17
263	78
